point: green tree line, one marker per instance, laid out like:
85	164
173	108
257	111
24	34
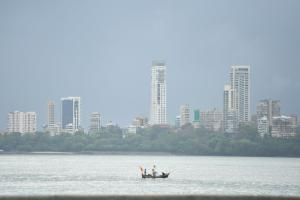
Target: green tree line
186	141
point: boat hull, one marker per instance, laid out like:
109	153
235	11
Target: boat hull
160	176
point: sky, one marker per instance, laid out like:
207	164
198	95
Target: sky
102	51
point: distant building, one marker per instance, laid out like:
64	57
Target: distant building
212	120
95	122
137	124
70	114
158	112
240	85
268	108
184	114
263	126
283	126
51	114
22	122
196	121
52	127
140	122
229	111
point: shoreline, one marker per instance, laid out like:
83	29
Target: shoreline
130	153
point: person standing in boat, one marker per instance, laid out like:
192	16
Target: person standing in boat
154	171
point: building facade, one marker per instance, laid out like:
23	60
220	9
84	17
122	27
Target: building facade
283	127
263	126
52	127
140	122
184	114
240	84
95	122
268	108
230	122
158	112
212	120
70	114
22	122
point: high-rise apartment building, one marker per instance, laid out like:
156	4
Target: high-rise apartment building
51	114
158	112
52	128
230	122
22	122
95	122
70	114
184	114
240	84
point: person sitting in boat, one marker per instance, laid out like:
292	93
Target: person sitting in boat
163	173
154	171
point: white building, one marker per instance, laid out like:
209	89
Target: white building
229	112
22	122
184	114
70	114
158	112
240	84
212	120
283	126
95	122
263	126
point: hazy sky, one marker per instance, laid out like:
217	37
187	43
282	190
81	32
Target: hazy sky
102	51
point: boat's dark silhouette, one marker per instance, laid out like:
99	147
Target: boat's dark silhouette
163	175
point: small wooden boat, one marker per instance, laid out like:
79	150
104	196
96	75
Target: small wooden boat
164	175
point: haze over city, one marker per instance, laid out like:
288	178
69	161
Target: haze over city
102	51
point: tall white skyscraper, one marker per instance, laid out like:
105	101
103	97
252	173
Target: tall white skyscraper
158	112
22	122
240	83
184	114
70	114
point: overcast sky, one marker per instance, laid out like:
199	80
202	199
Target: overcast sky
102	51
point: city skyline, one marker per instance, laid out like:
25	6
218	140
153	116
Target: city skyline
236	95
102	52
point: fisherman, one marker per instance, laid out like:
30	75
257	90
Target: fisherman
154	171
145	171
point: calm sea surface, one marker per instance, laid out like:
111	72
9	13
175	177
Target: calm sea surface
115	174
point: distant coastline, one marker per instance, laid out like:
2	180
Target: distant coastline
153	141
131	153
